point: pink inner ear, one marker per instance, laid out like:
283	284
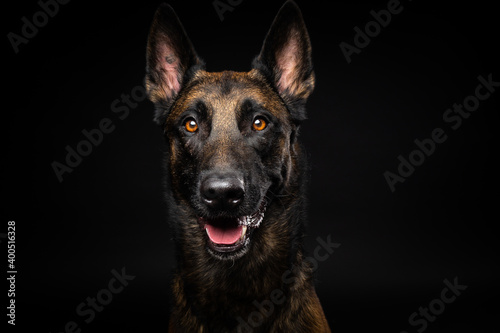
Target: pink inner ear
287	60
169	65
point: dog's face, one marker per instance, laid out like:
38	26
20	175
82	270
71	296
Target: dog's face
230	135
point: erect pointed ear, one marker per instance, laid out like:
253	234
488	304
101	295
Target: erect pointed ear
170	59
285	59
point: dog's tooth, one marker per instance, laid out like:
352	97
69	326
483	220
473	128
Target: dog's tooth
243	231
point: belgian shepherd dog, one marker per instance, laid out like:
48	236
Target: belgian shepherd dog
235	176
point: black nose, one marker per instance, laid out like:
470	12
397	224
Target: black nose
222	192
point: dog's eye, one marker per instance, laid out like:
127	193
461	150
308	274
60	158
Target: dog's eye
191	125
259	124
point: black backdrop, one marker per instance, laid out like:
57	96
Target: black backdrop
396	248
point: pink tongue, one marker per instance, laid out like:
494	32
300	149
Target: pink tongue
224	235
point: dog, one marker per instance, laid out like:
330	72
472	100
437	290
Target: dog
235	180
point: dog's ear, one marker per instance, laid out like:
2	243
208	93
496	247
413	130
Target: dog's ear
285	59
170	58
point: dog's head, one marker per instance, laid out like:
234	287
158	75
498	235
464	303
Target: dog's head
231	135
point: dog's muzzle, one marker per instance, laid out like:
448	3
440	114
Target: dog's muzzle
227	232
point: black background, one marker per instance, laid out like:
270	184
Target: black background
396	248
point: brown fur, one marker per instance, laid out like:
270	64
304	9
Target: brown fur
218	292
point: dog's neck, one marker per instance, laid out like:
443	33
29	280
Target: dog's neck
214	291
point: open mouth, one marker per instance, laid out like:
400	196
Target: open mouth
229	235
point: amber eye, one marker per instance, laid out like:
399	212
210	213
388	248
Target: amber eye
191	125
259	124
